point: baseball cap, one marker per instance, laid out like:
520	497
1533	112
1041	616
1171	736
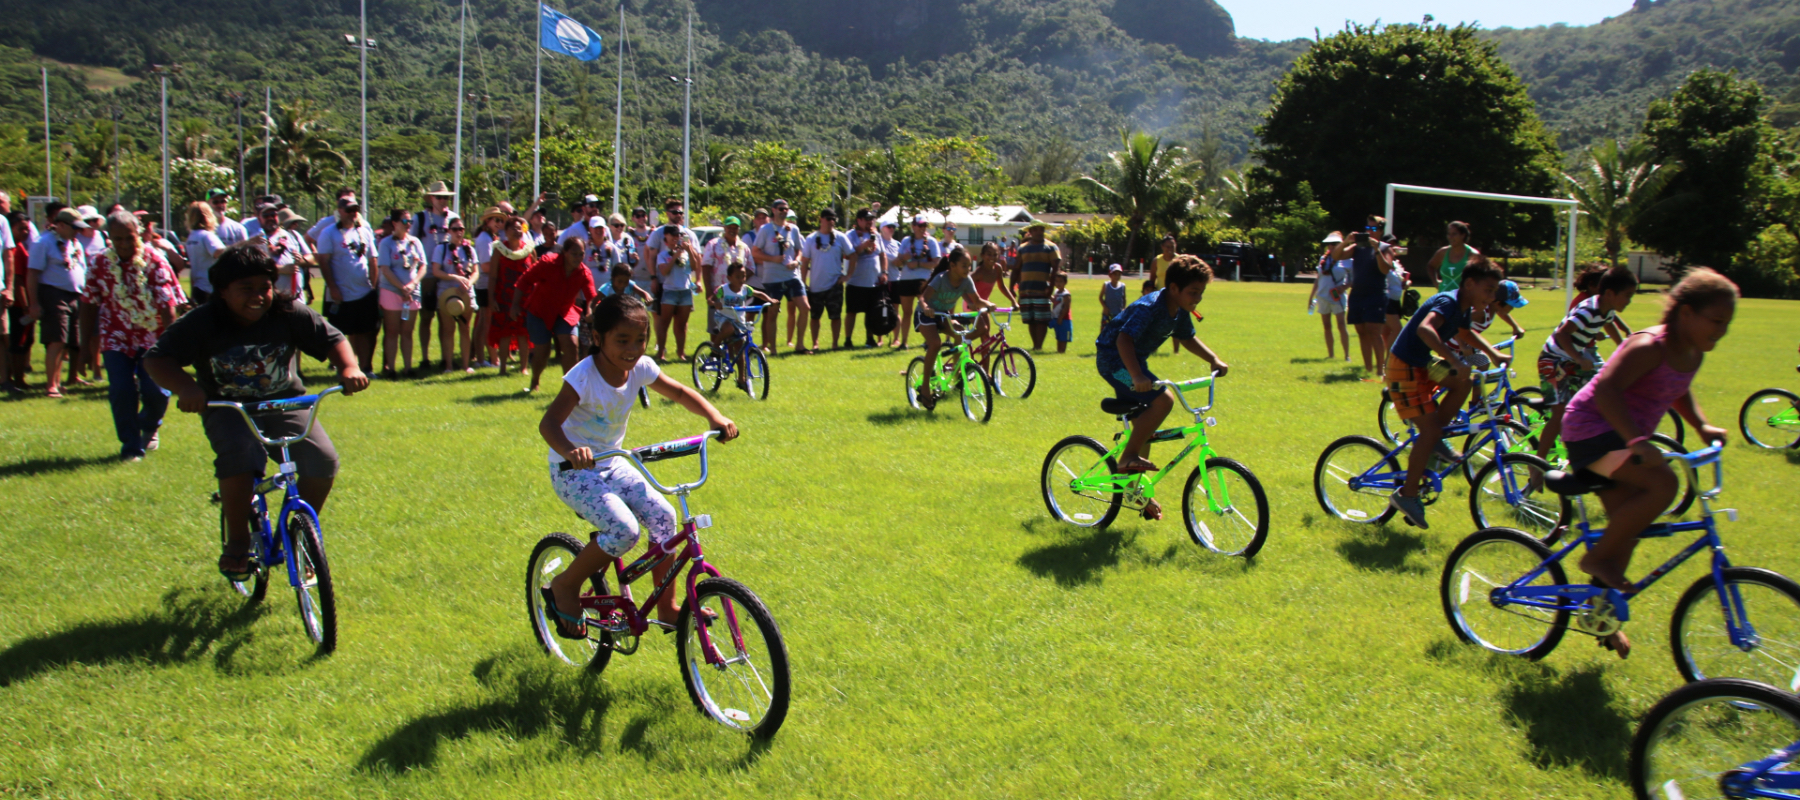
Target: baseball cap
88	213
1509	292
828	214
590	200
730	221
349	202
265	208
213	194
890	224
1035	226
70	217
920	219
863	213
1114	268
792	215
779	203
1334	238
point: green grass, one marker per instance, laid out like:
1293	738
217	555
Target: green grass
947	638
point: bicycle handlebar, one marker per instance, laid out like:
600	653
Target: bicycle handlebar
308	401
1181	388
677	448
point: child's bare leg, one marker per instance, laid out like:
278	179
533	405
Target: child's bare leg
1639	495
234	498
566	587
1431	431
666	610
1552	430
1143	427
540	357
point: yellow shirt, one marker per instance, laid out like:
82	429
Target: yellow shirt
1160	267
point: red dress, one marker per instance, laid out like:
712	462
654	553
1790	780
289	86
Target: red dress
506	276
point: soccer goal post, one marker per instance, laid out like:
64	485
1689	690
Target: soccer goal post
1567	241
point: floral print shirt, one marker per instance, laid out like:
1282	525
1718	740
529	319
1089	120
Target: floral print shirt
127	304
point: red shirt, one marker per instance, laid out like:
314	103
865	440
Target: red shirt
551	294
123	310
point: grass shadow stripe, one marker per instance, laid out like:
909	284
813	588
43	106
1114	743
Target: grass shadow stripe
188	625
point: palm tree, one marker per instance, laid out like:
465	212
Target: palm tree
1617	186
193	139
300	156
1145	181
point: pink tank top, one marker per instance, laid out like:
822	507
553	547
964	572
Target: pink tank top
1647	401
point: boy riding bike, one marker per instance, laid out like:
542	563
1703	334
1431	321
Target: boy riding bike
1127	341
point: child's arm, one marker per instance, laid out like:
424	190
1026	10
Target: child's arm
1617	330
695	404
1128	355
1690	411
761	298
350	374
1565	342
639	290
1480	342
973	299
1506	314
1429	335
169	375
1200	349
550	427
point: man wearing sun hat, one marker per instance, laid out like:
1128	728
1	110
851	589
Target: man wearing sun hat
56	273
230	231
1038	263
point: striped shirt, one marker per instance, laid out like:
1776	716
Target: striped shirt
1590	323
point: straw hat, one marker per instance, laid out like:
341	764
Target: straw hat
452	307
438	189
492	212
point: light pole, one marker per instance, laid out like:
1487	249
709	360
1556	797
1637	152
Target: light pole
461	44
49	182
163	71
268	133
687	109
363	44
237	101
117	114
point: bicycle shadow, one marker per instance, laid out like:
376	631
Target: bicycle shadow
1570	719
44	466
1382	548
503	397
899	415
1077	560
876	352
185	629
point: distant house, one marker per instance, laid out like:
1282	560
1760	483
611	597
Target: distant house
974	226
1649	267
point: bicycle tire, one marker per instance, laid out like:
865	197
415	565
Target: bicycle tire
719	699
1015	373
1680	434
1468	581
1334	470
257	586
1544	517
977	393
915	381
756	375
1684	498
1067	460
1473	464
1761	427
1702	730
1702	649
706	368
547	559
317	600
1243	537
1394	429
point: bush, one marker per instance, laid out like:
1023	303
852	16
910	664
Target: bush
1770	266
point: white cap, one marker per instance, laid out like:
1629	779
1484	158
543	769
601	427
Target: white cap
88	212
920	219
1334	238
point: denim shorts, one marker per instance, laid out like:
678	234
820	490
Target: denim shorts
678	297
1113	371
541	331
791	289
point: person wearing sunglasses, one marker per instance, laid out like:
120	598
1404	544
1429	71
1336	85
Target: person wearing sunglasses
587	221
230	231
651	255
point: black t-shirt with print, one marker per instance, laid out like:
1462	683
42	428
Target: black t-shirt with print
247	363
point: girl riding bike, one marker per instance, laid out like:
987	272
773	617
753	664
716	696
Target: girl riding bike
948	283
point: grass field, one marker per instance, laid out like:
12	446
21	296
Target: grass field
947	638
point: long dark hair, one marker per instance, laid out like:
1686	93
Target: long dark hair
611	311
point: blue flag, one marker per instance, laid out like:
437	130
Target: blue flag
560	34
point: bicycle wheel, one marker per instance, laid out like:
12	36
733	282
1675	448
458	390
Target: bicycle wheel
1474	462
1347	459
743	684
707	367
258	584
977	393
1394	429
1771	419
1672	426
1488	560
1225	511
1701	731
1537	510
547	560
1770	608
915	382
1518	407
1684	496
756	375
318	603
1073	458
1015	373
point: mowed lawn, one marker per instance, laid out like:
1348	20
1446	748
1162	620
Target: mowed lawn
947	638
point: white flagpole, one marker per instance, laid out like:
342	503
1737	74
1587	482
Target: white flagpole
49	184
537	107
618	107
687	104
362	47
461	44
268	133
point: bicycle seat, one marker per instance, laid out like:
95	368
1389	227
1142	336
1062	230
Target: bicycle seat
1122	407
1575	483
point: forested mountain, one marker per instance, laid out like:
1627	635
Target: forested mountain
825	78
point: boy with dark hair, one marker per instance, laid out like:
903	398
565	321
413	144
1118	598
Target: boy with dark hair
1413	376
1570	357
1126	342
243	344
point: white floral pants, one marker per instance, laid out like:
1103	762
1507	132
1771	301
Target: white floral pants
618	502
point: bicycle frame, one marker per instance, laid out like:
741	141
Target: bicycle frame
996	341
944	380
742	339
1141	486
269	540
1753	779
1493	431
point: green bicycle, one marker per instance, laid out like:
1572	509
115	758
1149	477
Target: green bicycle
1771	418
957	374
1223	505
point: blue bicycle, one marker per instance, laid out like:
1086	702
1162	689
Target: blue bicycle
1720	737
739	356
296	542
1505	591
1356	475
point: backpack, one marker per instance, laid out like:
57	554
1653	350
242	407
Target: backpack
884	318
1409	303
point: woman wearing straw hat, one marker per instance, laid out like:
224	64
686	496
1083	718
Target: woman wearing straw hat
1328	295
453	263
432	227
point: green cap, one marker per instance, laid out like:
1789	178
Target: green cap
729	221
212	193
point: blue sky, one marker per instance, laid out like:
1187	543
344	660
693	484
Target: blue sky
1293	19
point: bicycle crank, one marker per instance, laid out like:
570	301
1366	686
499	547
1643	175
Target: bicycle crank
1598	619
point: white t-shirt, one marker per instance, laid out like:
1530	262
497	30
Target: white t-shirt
484	250
867	271
252	227
296	248
598	420
680	278
318	228
349	251
579	228
827	254
433	229
891	247
773	241
918	257
230	232
405	258
203	248
651	250
719	257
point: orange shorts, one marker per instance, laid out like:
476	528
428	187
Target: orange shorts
1410	388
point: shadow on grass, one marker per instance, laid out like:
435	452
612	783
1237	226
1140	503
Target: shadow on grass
1337	377
897	415
503	397
1077	561
1380	548
187	627
1310	360
1570	719
526	695
42	466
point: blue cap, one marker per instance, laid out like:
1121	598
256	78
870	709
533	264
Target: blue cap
1509	292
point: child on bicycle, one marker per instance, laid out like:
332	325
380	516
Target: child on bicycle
589	416
1413	376
243	345
937	301
1127	341
734	293
1570	358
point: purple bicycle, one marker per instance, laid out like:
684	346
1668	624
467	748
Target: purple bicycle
731	654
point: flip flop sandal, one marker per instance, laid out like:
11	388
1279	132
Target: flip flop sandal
236	577
711	617
562	632
1140	466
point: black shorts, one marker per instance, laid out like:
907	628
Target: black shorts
1367	313
861	299
907	288
357	317
1393	308
237	452
21	336
831	300
1583	452
61	315
428	294
481	299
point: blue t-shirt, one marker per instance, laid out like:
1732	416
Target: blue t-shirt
1408	347
1148	323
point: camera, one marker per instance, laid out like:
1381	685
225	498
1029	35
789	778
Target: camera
1361	237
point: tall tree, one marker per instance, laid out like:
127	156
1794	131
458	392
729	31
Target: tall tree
1411	104
1144	181
301	157
1616	186
1712	127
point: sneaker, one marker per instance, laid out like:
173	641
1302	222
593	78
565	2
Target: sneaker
1410	508
1444	452
131	458
151	442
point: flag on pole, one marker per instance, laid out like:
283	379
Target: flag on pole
560	34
